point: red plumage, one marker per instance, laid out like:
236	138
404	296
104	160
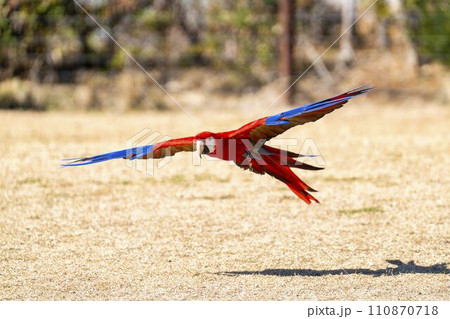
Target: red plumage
245	146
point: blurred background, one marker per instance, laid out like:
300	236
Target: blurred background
97	232
211	54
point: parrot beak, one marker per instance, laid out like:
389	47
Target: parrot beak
200	147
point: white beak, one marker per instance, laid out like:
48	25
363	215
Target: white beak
200	146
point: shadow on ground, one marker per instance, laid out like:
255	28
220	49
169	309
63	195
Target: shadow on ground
402	268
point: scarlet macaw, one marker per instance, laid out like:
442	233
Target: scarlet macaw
244	146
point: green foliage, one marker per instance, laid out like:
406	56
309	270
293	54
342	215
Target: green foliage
382	9
118	60
429	26
43	39
241	35
47	40
155	20
36	33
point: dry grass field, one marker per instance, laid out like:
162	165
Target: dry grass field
215	232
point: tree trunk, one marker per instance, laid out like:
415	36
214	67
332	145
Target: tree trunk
401	41
286	20
346	54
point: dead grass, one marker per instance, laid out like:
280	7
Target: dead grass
380	232
372	209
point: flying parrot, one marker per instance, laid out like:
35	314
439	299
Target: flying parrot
244	146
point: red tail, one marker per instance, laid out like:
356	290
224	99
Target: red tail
285	175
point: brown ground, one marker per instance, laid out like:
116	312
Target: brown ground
93	232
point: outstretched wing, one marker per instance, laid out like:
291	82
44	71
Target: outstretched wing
158	150
269	127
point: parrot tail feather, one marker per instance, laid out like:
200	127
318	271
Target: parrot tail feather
287	176
291	162
288	158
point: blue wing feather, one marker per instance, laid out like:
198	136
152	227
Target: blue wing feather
135	153
282	118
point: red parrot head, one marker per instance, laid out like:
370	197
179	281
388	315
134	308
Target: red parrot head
205	143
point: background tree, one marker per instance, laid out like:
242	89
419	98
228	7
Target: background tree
286	44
